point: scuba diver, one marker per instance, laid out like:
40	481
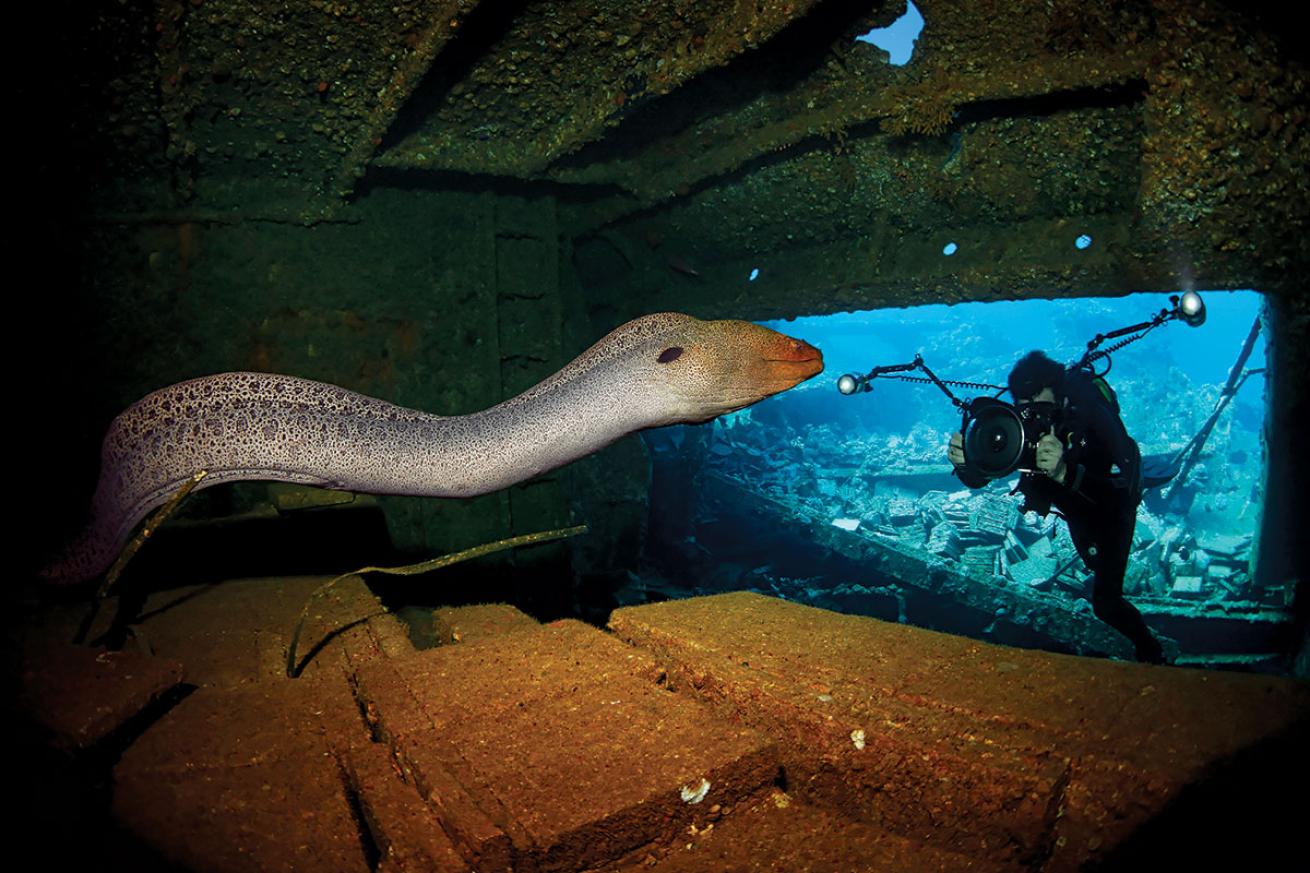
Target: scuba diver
1089	469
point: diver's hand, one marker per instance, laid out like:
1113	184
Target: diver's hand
1050	456
955	451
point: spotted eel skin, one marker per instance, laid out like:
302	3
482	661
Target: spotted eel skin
656	370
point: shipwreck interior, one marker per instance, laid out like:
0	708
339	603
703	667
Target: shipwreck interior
443	202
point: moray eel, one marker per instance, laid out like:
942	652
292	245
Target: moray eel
657	370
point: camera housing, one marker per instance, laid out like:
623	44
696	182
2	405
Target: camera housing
1001	437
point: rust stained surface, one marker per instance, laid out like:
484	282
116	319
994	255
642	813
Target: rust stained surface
409	835
783	833
564	739
238	633
467	624
1120	740
78	695
244	779
734	732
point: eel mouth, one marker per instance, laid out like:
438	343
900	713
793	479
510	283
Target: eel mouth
791	361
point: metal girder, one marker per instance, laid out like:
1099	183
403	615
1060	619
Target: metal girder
533	83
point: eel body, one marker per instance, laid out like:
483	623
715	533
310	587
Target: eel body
660	369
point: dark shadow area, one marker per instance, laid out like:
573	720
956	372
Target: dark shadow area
1248	813
307	542
539	580
1281	21
446	181
298	657
1128	93
61	800
478	34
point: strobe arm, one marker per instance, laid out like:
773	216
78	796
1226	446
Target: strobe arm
1188	308
850	383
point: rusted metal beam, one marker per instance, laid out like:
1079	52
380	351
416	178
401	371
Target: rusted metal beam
556	76
719	147
405	77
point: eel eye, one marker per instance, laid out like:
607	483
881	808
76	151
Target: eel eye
669	354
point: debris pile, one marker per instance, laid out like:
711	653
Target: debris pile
896	488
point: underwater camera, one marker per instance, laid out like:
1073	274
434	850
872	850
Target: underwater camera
1001	437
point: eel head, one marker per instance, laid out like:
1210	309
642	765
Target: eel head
698	370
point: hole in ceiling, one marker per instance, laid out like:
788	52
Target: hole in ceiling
898	38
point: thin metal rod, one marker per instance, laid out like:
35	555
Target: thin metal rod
1236	377
424	567
148	530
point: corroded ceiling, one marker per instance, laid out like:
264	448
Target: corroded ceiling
711	135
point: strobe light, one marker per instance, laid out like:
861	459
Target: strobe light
1191	309
849	384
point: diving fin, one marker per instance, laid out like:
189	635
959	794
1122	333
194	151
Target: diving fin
1159	470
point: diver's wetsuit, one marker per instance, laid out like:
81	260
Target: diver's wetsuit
1098	502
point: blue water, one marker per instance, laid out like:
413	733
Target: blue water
874	464
980	342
